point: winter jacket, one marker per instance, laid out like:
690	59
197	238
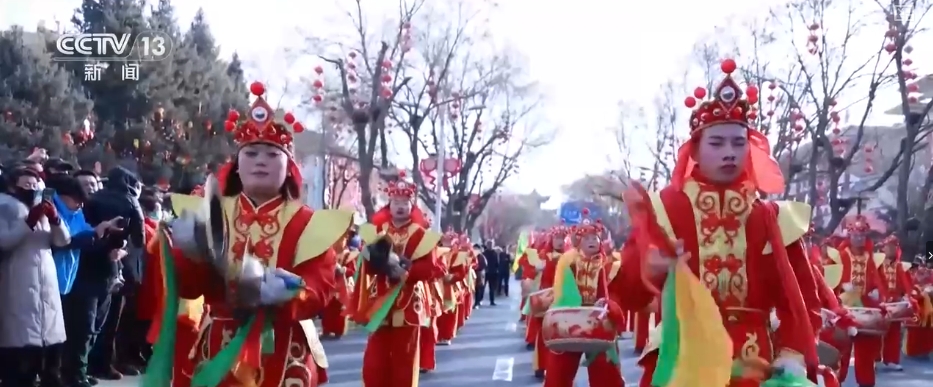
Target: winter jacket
119	197
32	308
82	238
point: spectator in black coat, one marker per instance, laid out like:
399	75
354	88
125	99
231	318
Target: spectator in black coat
505	268
119	197
492	271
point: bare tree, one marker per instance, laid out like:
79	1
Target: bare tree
505	219
369	75
473	99
342	175
830	70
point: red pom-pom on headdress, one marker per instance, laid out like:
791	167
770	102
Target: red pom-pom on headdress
589	226
401	188
559	231
725	105
858	224
260	125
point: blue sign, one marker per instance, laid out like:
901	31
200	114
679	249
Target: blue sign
572	212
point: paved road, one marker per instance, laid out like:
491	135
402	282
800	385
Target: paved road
490	350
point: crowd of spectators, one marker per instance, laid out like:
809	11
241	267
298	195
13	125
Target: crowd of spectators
72	252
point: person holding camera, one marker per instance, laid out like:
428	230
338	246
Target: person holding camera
31	328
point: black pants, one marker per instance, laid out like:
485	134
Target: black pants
22	366
104	350
131	333
480	292
492	281
504	284
85	311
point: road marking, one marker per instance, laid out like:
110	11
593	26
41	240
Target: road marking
503	369
511	327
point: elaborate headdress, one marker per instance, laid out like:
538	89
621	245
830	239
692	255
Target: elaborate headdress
858	224
589	226
260	127
401	188
892	240
559	231
727	106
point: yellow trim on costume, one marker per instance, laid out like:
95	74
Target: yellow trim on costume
661	213
428	242
834	255
878	258
616	256
191	309
793	220
463	259
323	231
533	257
906	265
186	203
832	274
368	233
563	264
614	270
442	250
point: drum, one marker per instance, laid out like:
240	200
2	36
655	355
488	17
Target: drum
899	311
541	300
869	321
527	287
580	329
833	341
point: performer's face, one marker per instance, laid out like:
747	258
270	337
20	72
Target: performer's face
262	168
890	251
400	207
557	242
721	152
589	244
856	238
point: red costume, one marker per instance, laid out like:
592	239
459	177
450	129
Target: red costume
531	282
861	286
898	286
278	345
456	262
392	357
746	251
918	340
591	273
550	254
468	285
334	319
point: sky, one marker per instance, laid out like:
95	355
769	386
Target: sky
586	56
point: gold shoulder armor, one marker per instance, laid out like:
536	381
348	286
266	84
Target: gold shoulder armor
793	220
323	231
878	258
832	274
833	254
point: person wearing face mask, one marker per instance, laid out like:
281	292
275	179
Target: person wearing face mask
725	242
31	327
263	314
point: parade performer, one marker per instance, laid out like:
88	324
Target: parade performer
191	313
394	307
580	274
532	267
553	249
733	260
898	287
334	320
468	283
861	286
918	337
266	269
457	264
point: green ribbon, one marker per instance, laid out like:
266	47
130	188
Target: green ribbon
780	378
380	315
159	371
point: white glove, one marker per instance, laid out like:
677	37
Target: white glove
791	365
775	321
847	287
539	266
341	269
852	331
874	294
274	289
